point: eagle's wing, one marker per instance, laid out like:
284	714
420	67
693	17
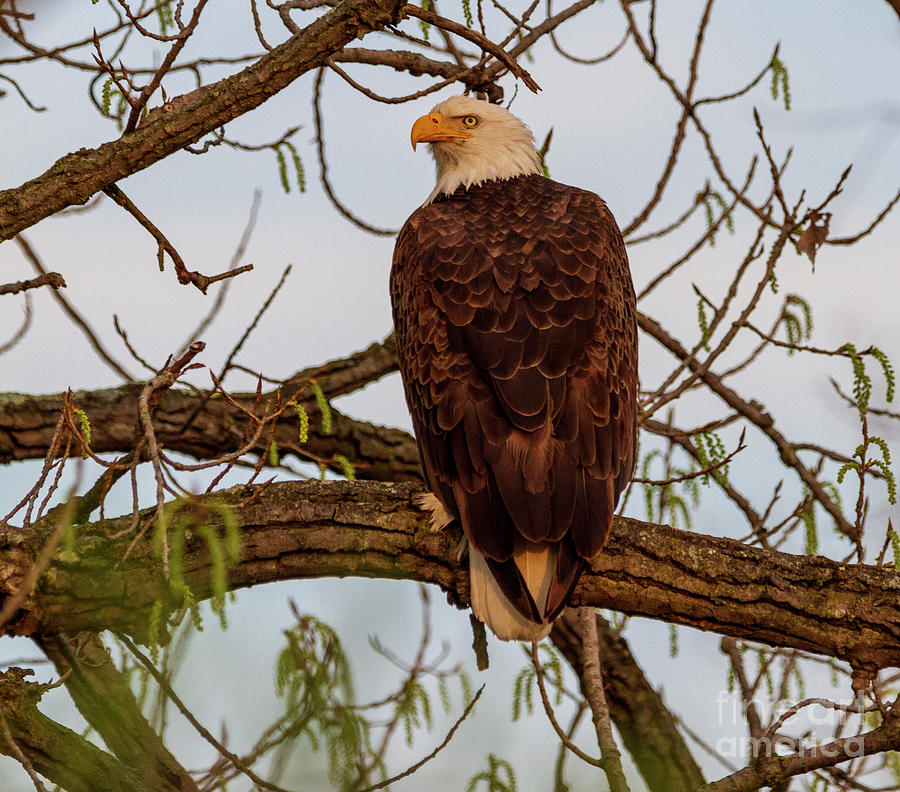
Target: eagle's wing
516	331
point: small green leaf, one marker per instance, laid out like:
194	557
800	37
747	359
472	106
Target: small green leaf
729	220
780	81
889	480
304	422
299	170
324	407
120	111
808	515
427	5
895	547
862	383
106	95
467	12
703	322
845	468
164	15
346	466
85	426
711	451
888	370
282	169
499	777
796	299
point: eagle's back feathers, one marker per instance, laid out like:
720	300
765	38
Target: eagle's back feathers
516	332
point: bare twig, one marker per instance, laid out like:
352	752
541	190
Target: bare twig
185	275
22	95
235	261
551	715
180	40
20	755
149	396
23	328
323	165
476	38
592	684
252	326
53	279
413	768
697	473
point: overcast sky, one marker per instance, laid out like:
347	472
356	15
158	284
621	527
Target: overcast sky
612	127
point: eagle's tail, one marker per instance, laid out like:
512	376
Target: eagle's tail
536	567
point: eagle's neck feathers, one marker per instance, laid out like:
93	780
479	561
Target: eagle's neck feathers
481	165
501	147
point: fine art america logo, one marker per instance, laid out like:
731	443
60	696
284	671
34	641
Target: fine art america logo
810	719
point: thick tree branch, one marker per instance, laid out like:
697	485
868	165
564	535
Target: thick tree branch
774	769
104	697
76	177
366	529
58	753
207	428
412	62
203	430
346	375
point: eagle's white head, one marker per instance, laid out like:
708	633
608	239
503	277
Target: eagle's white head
474	142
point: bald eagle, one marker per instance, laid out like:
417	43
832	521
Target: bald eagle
515	320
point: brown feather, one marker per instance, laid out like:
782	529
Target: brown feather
516	331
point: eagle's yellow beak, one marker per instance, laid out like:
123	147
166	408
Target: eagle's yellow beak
433	128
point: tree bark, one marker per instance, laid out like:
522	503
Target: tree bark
58	753
104	698
208	428
367	529
203	429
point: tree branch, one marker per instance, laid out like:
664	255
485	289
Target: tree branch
648	730
366	529
773	769
53	279
592	687
58	753
207	428
184	275
754	413
104	697
341	376
76	177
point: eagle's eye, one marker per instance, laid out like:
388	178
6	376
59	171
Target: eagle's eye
470	122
